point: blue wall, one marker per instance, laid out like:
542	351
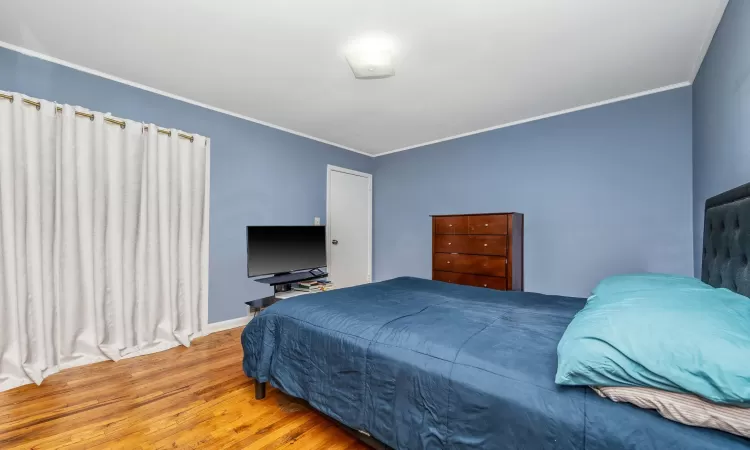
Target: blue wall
721	114
605	190
259	175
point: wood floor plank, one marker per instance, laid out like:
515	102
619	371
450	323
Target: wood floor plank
195	397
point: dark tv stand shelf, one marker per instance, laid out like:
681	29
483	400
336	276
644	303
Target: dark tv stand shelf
282	282
293	277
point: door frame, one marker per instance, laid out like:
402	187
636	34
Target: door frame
330	168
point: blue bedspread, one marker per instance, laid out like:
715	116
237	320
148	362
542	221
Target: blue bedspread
425	364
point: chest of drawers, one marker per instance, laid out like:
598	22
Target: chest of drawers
483	250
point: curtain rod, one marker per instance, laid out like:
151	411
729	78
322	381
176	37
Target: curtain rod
121	123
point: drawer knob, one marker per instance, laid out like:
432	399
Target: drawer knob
450	224
485	245
485	285
486	224
448	262
449	243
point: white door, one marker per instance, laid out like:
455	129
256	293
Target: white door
349	227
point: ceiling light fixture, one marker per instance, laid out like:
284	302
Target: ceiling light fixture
371	56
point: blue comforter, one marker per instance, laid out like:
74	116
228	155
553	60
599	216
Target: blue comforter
425	364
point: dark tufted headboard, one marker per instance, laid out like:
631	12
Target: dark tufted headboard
726	240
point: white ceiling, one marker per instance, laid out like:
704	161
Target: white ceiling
461	65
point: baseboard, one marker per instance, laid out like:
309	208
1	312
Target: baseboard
227	324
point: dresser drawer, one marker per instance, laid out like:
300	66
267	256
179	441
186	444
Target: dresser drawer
486	245
474	264
477	245
489	282
471	280
451	277
490	224
451	225
447	243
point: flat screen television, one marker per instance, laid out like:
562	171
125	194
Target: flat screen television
282	249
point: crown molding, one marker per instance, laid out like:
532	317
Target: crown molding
97	73
35	54
713	26
543	116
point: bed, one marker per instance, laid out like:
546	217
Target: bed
424	364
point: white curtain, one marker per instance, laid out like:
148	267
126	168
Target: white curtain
103	240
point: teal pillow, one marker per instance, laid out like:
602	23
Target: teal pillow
645	281
677	339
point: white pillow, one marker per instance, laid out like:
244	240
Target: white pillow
683	408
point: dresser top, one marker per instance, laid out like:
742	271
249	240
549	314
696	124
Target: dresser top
477	214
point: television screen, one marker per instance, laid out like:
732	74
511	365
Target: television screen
275	249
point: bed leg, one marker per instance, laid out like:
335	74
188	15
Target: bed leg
260	390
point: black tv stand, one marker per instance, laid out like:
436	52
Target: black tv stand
282	282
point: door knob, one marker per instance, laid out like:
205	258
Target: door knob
334	242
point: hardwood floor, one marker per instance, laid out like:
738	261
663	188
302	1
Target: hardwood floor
195	397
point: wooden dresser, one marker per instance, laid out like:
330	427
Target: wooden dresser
484	250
